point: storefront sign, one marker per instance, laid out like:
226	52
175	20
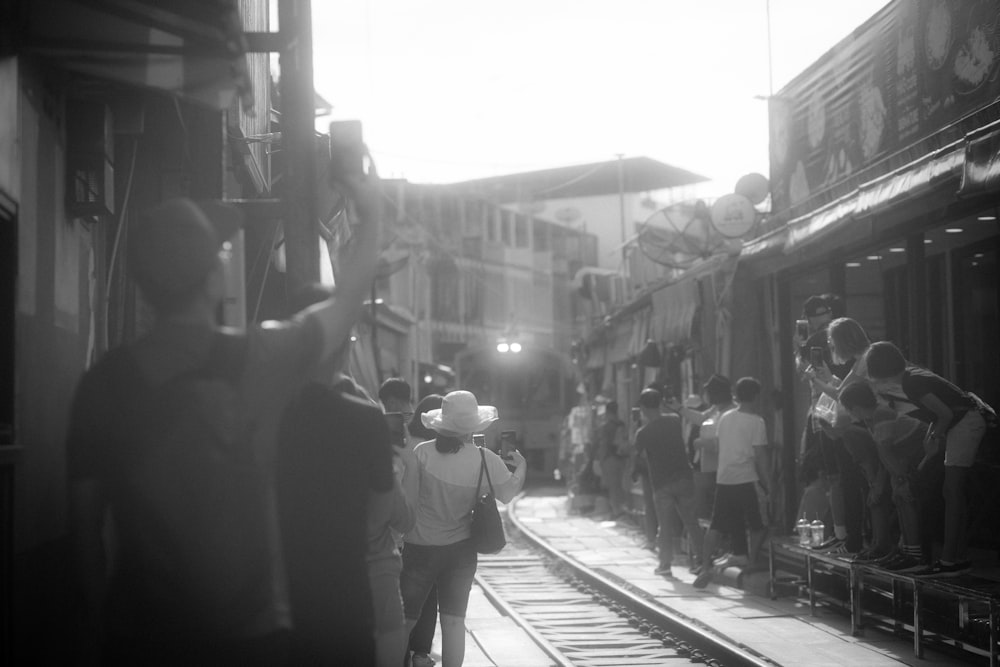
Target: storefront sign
912	69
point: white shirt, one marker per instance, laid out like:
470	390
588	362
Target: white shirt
447	492
739	433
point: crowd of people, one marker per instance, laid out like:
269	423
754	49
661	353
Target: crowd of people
887	446
236	499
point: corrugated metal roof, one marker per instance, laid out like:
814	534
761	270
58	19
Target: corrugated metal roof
642	174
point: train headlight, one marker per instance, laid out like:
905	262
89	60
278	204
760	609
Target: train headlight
503	347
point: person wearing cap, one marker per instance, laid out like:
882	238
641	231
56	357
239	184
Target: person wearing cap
661	441
176	253
838	468
441	481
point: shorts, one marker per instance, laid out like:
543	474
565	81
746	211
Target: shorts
386	601
833	454
736	508
451	567
962	440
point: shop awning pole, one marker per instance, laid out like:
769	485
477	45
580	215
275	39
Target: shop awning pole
298	144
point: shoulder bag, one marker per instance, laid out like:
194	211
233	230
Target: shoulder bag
487	528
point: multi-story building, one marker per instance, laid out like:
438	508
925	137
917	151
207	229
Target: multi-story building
468	275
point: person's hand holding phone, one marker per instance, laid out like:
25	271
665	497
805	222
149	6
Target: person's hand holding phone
515	457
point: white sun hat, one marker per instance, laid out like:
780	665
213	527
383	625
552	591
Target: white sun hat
460	414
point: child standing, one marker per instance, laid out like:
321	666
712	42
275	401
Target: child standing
742	465
954	419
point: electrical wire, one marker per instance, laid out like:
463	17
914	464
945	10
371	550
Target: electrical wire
117	242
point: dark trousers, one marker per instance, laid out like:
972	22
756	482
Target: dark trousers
422	635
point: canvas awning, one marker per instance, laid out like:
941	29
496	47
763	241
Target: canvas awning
674	308
915	179
192	48
981	171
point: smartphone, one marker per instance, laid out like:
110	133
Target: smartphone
802	328
508	443
816	356
347	148
636	415
479	439
397	430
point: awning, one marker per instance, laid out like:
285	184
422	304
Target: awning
981	172
912	180
674	308
192	48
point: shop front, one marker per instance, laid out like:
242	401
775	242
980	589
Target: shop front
884	177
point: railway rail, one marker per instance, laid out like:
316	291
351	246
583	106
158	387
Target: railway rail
580	617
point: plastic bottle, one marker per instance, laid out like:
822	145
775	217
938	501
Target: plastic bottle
817	529
803	530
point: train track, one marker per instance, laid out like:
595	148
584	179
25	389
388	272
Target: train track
579	617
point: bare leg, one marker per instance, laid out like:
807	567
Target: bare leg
452	640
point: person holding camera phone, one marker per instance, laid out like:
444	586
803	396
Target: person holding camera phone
813	356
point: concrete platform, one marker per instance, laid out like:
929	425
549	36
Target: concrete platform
781	630
493	640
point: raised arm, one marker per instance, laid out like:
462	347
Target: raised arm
357	265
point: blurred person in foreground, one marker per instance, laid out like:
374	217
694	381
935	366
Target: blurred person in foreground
333	478
661	441
422	634
743	465
385	532
198	576
442	479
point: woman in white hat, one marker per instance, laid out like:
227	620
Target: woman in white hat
440	481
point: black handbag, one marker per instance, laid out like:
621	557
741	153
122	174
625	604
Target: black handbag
487	528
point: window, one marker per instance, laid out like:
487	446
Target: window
520	232
505	217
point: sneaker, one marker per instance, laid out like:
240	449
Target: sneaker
832	547
421	660
906	564
664	571
823	546
730	560
939	569
868	556
704	577
839	550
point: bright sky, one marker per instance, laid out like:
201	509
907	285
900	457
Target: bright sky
451	90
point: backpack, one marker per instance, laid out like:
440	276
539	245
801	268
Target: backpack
189	501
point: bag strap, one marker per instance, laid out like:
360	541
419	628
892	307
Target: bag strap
482	468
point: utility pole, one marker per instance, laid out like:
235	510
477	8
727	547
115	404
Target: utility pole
298	144
621	205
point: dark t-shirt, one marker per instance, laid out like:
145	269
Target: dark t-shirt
333	450
101	442
919	382
610	431
662	440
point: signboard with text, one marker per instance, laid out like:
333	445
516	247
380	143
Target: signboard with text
913	68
